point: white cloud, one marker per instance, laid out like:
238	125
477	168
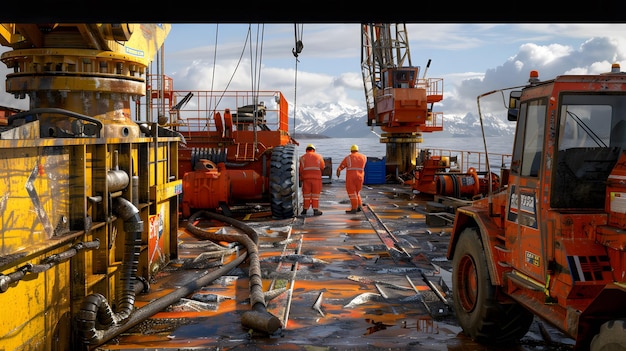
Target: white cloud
472	58
594	55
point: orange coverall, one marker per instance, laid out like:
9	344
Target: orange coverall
355	175
310	171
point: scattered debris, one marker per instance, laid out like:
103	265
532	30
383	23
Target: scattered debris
435	289
187	305
209	297
397	270
363	298
419	295
318	304
366	280
272	294
293	258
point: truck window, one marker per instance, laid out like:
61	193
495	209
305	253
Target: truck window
578	128
590	138
516	159
533	138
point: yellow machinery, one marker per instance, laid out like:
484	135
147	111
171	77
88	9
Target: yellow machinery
89	198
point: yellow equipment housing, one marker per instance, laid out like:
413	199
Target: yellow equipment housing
89	202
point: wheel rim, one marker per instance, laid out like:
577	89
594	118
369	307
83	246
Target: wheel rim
467	283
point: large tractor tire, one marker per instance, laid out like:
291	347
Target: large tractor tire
612	337
481	316
283	187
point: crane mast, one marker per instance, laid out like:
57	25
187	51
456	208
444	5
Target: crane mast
398	100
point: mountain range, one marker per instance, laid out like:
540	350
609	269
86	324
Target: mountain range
338	120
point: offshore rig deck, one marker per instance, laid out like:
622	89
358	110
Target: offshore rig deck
373	280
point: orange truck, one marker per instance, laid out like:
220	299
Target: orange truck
551	242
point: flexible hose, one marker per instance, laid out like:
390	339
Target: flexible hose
95	307
258	318
161	303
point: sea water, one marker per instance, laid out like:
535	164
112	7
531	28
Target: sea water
338	148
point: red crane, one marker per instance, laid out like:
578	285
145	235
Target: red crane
399	101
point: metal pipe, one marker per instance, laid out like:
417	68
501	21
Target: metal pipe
434	289
46	263
135	191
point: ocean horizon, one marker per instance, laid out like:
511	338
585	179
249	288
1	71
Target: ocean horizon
338	148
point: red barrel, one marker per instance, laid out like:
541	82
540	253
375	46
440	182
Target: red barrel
458	184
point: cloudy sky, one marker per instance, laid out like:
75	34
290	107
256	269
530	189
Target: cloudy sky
472	58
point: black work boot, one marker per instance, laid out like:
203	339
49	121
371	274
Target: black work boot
303	213
317	212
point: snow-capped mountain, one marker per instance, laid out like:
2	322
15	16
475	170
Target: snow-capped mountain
329	119
469	125
339	120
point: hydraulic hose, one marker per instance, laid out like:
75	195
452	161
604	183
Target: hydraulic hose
161	303
133	226
258	318
95	307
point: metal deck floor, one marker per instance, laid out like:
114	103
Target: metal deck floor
336	284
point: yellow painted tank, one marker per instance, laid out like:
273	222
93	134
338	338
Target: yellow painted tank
89	204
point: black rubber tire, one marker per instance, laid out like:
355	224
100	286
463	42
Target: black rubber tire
611	337
482	318
283	185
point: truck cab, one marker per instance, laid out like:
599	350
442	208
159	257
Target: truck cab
550	243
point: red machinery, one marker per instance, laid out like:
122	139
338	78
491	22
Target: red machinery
443	175
399	101
551	243
232	158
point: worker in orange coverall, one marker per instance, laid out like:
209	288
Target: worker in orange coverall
310	171
355	175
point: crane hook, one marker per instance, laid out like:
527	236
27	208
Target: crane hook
298	37
298	49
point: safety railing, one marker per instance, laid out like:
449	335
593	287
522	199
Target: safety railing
462	160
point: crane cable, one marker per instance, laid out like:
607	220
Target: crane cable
296	51
232	76
255	74
297	28
255	60
212	112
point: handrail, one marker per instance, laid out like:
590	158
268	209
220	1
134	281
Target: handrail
472	159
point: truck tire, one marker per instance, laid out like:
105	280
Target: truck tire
283	185
479	314
612	336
